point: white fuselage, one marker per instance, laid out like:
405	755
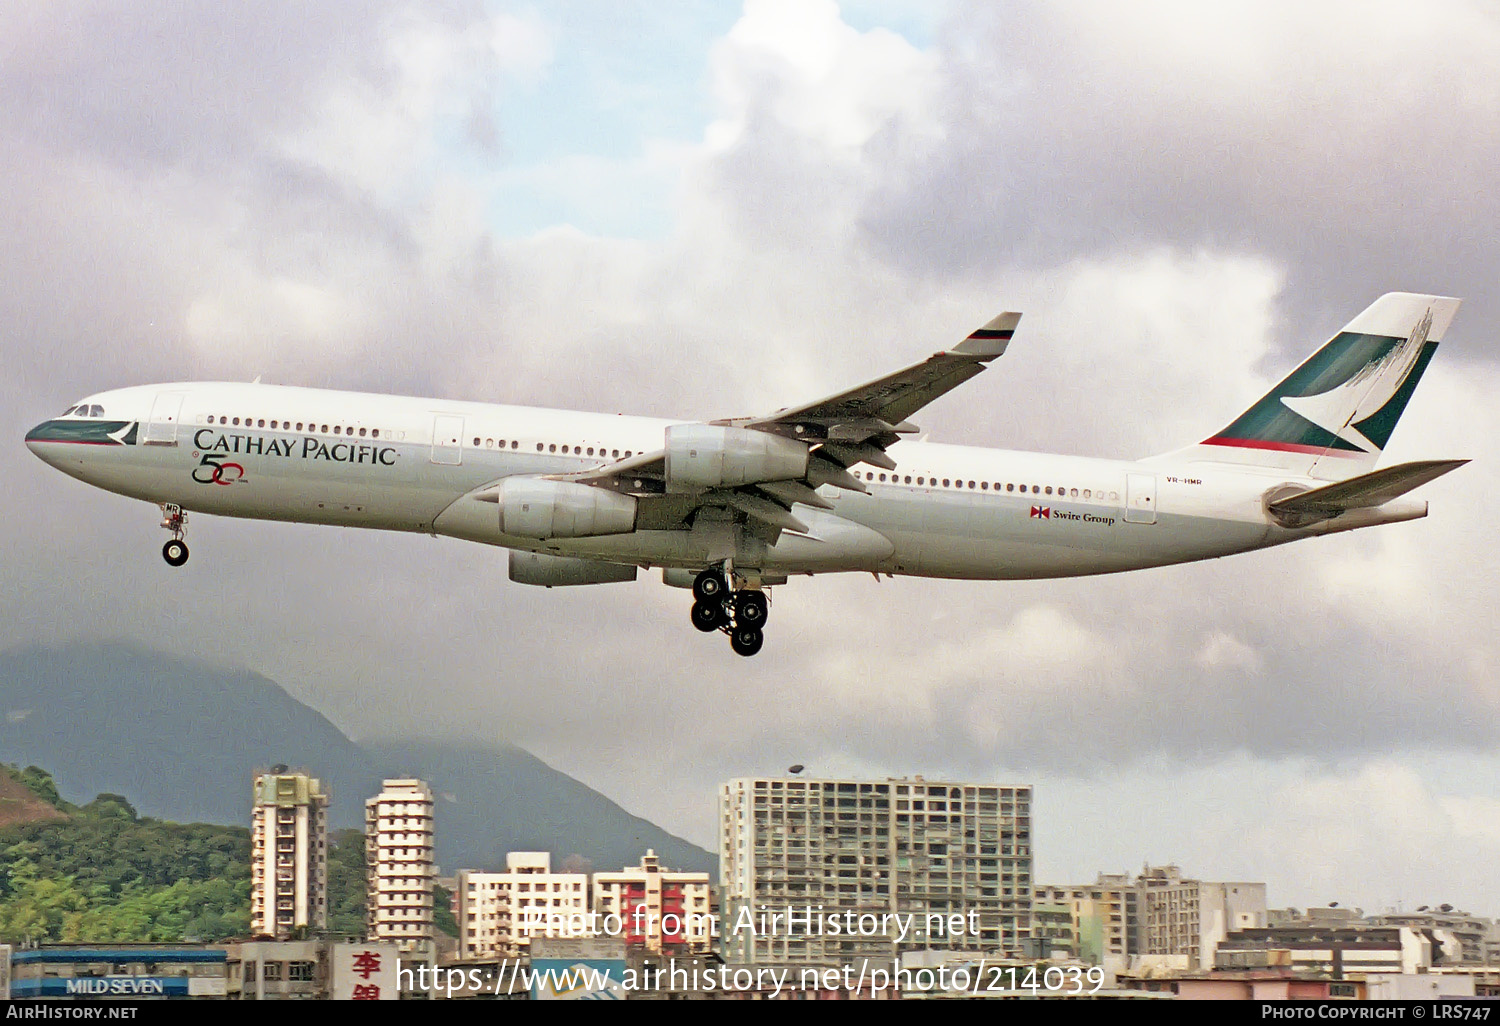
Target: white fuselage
407	464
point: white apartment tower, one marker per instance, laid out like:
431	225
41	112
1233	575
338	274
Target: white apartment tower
864	853
499	913
289	854
401	865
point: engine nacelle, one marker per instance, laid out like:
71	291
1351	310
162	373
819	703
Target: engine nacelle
549	571
533	507
709	456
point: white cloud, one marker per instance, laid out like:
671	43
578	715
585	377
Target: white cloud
1223	651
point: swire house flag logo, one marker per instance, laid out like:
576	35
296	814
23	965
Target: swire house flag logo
1041	512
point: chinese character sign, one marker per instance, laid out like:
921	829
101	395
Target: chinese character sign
364	972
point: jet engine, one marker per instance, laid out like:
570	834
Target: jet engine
534	507
549	571
709	456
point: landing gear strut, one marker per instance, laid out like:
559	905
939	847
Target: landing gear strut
175	552
740	613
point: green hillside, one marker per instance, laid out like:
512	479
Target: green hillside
101	872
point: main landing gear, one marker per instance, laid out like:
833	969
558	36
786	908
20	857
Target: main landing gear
741	614
175	552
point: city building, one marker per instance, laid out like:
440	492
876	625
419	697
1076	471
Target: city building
1474	936
1318	915
1338	952
499	913
657	909
1179	916
319	969
844	861
1090	921
117	970
289	855
401	865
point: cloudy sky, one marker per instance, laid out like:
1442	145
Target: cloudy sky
707	209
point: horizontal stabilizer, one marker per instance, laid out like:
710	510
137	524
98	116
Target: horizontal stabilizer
1373	489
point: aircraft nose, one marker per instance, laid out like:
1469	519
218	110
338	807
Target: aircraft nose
43	441
35	439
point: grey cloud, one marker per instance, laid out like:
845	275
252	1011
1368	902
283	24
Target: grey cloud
1363	169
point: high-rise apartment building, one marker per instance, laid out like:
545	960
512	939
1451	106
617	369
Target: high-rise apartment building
847	863
1102	918
499	913
400	864
654	908
289	854
1179	916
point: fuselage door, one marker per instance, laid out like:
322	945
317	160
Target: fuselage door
1140	498
447	440
166	411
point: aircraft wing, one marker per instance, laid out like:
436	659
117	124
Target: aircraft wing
842	430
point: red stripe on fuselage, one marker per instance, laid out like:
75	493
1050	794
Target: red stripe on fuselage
1258	443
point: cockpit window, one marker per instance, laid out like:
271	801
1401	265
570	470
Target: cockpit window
96	411
68	412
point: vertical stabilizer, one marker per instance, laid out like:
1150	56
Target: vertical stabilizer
1331	417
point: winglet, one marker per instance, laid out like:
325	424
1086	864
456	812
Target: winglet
990	341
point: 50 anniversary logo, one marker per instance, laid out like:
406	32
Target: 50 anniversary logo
214	446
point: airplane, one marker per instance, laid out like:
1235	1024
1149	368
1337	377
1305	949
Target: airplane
730	508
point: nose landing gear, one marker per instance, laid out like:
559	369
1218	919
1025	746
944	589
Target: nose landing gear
740	613
175	552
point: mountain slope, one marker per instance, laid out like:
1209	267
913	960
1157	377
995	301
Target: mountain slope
183	740
21	804
513	795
